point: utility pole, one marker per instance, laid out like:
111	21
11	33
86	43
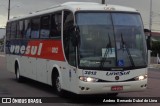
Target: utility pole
9	8
103	2
150	20
150	28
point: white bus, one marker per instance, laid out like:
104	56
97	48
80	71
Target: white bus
84	48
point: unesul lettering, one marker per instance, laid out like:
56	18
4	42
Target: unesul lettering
118	73
33	50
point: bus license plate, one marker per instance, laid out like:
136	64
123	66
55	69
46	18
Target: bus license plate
117	88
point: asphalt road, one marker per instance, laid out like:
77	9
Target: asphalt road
9	87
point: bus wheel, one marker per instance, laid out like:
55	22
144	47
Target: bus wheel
57	83
112	94
18	76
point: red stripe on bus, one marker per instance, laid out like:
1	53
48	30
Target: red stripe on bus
46	49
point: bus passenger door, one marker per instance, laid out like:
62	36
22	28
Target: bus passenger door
69	47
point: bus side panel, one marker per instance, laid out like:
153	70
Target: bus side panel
25	68
42	70
9	62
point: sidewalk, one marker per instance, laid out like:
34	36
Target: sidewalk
157	66
2	54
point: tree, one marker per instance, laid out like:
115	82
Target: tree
155	48
2	41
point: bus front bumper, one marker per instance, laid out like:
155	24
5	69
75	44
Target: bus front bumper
102	88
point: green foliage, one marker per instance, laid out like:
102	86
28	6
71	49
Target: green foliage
155	48
1	41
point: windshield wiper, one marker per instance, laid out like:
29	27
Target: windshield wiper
128	52
108	49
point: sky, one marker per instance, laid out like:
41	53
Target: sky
24	7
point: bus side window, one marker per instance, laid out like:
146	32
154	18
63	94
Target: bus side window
17	30
20	29
8	31
45	27
13	30
56	24
69	48
35	26
27	29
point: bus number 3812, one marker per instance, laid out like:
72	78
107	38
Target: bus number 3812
90	72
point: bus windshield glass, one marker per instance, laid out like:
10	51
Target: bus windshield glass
110	40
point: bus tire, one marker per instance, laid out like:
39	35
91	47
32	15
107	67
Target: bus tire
57	84
18	76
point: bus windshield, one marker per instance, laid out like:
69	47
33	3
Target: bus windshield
110	40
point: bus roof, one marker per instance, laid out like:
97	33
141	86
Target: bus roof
78	6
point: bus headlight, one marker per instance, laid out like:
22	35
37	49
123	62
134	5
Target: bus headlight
88	79
141	77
